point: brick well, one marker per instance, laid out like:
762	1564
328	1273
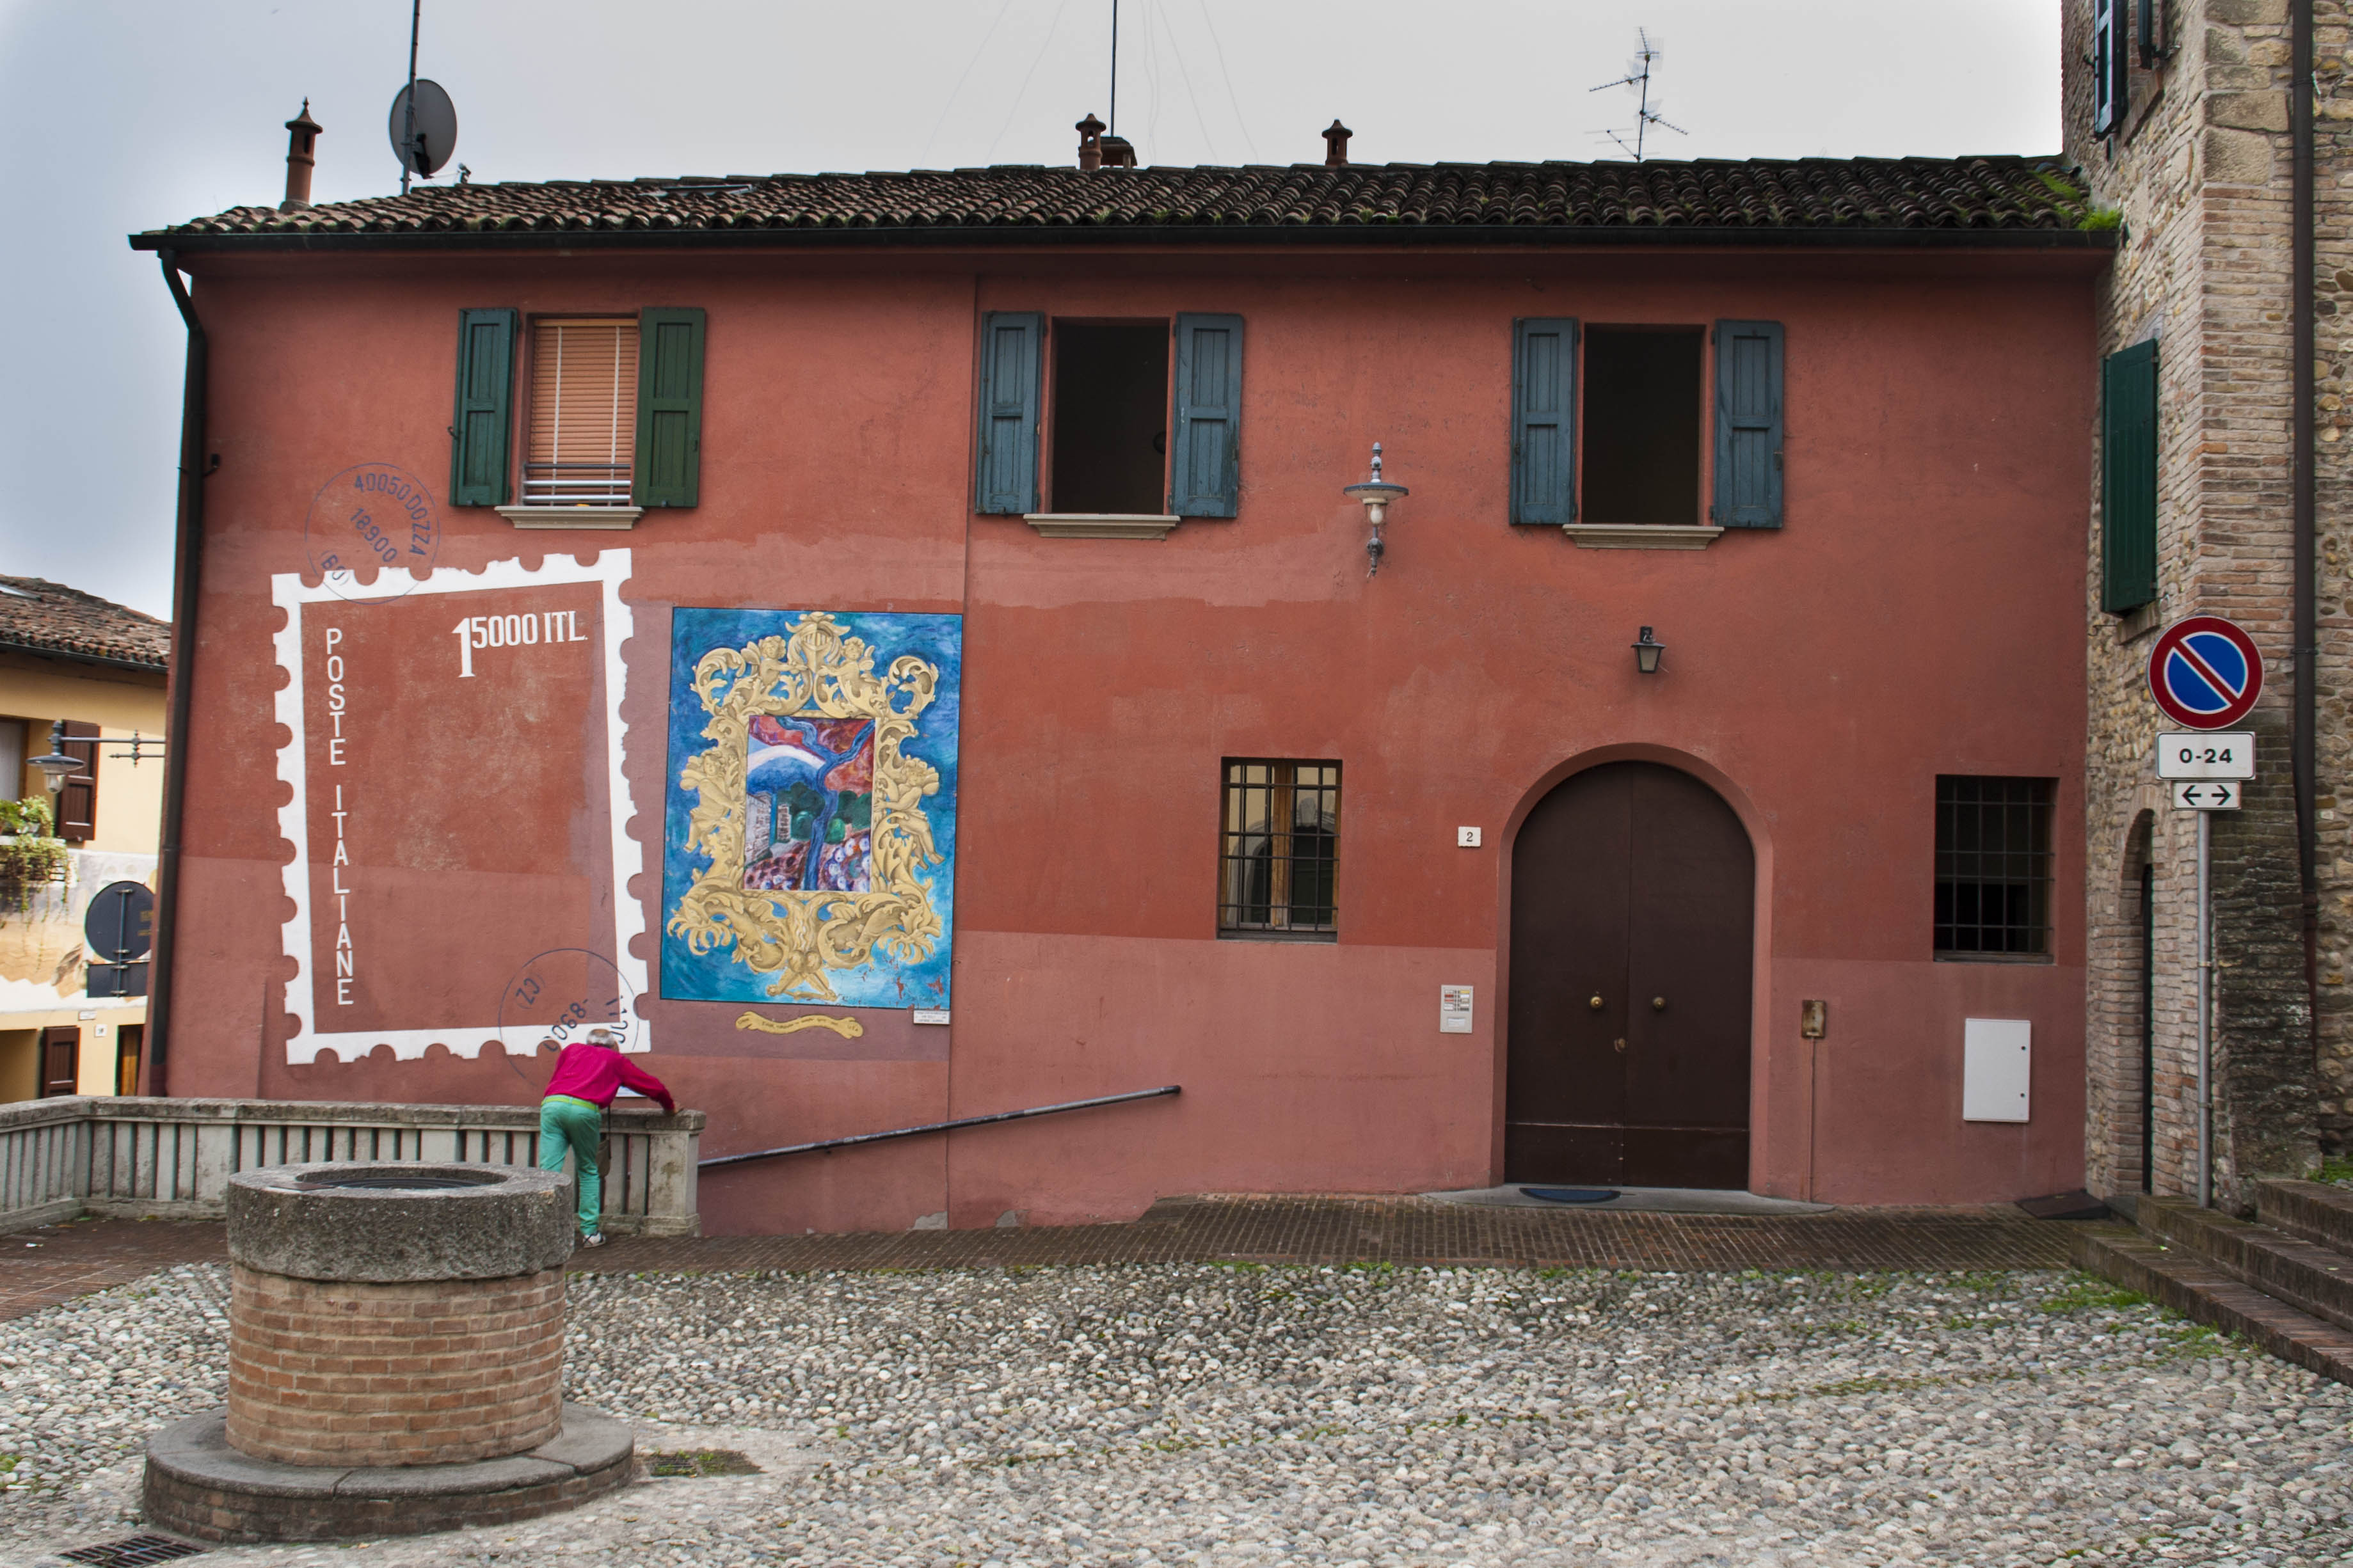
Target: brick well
442	1372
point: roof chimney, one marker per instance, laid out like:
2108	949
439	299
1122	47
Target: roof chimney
1335	146
303	134
1118	153
1090	131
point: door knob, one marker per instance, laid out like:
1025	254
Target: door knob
1595	1003
1617	1044
1658	1004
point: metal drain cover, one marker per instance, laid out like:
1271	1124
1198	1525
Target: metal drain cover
700	1462
131	1553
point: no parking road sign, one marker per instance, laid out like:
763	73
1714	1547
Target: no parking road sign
2205	673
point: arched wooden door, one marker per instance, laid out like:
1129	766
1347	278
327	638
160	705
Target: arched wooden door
1632	929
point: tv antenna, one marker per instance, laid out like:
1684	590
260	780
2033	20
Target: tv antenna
1638	76
424	128
1114	126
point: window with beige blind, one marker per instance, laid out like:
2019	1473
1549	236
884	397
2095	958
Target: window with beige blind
611	422
582	445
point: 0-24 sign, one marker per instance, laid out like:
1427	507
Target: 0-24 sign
2206	754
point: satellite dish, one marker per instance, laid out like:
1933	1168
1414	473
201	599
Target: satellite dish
436	127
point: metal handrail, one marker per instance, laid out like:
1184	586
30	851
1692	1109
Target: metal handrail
1165	1088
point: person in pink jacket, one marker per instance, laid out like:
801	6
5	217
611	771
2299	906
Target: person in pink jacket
588	1075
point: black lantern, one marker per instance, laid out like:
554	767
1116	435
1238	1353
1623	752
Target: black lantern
58	765
1646	650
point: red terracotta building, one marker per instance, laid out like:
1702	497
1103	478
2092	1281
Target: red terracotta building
901	646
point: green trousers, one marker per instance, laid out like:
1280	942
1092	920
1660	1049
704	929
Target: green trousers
574	1124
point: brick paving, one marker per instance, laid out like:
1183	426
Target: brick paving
55	1262
1402	1231
52	1264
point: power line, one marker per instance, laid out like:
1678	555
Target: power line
1185	75
1215	43
969	65
1027	75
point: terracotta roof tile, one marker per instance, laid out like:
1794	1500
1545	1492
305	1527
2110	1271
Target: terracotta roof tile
51	618
2022	195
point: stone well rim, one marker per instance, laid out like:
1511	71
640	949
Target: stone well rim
307	1221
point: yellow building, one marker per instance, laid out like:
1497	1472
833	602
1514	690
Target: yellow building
96	668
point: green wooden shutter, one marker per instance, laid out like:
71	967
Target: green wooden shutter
478	469
1205	476
670	407
1747	424
1012	360
1543	420
2129	478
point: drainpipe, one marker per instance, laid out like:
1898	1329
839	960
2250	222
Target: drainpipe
187	558
2306	631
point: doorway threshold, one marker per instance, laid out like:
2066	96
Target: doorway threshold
1633	1200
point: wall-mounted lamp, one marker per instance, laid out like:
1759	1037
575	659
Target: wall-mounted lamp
1646	650
56	767
1377	493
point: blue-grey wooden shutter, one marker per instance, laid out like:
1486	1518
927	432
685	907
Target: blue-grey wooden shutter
2129	478
1205	476
1543	420
670	407
1012	360
2108	85
478	430
1747	424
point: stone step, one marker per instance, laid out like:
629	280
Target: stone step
2314	1279
2309	1211
2197	1289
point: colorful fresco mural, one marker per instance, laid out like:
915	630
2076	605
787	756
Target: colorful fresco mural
809	845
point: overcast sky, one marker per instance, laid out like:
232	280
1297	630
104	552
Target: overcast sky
118	115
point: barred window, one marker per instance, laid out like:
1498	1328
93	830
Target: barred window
1993	867
1281	849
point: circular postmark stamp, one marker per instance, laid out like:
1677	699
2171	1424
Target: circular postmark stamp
372	532
560	996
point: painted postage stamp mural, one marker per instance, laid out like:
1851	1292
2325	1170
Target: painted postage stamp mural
810	825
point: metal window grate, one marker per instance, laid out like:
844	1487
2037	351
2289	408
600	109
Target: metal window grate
131	1553
1993	867
1281	849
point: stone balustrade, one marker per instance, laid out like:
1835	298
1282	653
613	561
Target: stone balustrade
140	1157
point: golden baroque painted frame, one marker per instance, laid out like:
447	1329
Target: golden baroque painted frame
795	934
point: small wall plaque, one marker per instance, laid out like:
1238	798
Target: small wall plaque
931	1016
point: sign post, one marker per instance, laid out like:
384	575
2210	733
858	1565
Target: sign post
2205	674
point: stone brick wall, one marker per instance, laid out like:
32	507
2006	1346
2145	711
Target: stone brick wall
329	1374
2200	171
2333	235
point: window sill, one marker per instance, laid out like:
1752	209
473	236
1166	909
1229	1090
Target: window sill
1100	524
1996	958
2134	625
572	516
1273	933
1640	535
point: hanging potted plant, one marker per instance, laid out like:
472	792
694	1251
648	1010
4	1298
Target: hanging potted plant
31	857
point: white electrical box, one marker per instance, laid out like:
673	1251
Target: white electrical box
1997	1065
1454	1009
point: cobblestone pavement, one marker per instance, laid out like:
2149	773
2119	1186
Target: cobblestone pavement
1199	1414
